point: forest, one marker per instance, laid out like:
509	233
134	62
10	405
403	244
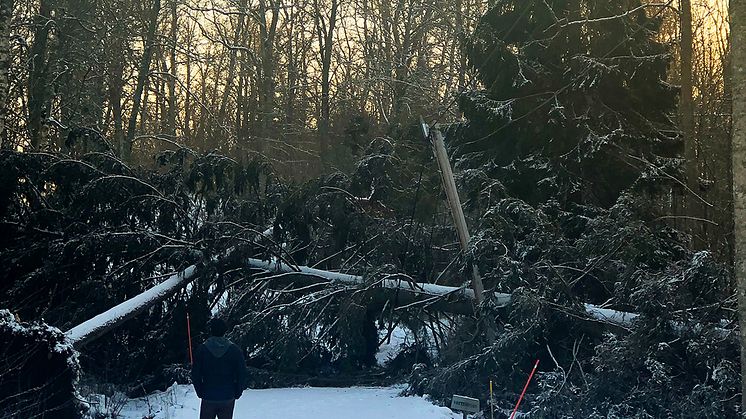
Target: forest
506	182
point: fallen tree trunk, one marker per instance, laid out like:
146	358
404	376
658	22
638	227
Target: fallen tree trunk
113	317
396	292
438	297
406	293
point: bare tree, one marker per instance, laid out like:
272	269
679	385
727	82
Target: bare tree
686	118
174	39
267	34
125	149
39	94
259	76
325	27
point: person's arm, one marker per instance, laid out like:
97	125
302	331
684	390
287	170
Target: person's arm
242	374
197	373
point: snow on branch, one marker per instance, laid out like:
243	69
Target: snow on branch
416	293
563	23
115	316
424	290
621	318
102	323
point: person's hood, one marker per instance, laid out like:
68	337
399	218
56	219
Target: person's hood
217	346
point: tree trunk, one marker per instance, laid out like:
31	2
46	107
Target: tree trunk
38	90
172	105
461	38
126	148
737	11
116	89
188	96
291	68
115	316
686	122
240	105
727	149
79	89
6	14
267	32
404	293
232	63
325	31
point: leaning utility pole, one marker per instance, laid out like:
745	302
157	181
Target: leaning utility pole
449	184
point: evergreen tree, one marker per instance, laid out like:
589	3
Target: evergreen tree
562	145
570	88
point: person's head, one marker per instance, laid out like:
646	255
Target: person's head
217	327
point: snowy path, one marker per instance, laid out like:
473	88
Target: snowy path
294	403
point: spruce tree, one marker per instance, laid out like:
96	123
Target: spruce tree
570	89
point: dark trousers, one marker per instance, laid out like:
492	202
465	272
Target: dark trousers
221	410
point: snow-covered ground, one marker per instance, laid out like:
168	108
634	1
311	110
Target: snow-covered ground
388	350
180	402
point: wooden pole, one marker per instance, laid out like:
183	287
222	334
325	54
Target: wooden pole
449	184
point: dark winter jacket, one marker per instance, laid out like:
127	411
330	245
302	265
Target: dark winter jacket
219	370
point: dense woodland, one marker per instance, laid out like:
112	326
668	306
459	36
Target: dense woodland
591	146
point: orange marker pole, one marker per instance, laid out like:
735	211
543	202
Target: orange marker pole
189	336
512	415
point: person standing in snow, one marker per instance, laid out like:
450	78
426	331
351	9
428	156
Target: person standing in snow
219	373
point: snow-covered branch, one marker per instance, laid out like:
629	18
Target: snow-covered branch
416	291
102	323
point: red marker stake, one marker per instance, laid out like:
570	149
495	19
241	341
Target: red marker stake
189	336
524	389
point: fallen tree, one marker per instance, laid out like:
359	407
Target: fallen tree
458	300
115	316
